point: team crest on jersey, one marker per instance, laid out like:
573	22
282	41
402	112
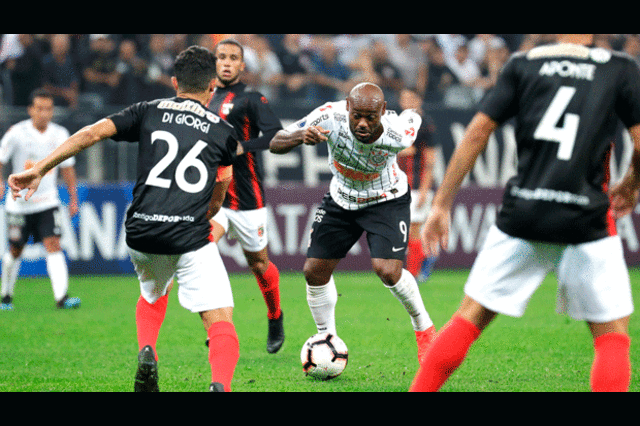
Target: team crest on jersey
226	108
261	231
378	157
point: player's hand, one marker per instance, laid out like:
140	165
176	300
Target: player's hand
28	179
435	232
315	135
623	198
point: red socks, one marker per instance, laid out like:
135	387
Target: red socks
611	370
149	319
224	352
415	256
270	287
446	354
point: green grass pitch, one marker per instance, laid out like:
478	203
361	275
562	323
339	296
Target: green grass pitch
94	348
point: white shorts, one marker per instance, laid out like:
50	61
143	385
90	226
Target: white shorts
419	214
593	280
203	283
249	227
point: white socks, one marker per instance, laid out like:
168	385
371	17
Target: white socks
58	273
10	268
322	302
406	291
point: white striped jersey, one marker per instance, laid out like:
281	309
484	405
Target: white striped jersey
363	174
24	145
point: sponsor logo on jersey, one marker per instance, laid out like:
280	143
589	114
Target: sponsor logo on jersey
353	174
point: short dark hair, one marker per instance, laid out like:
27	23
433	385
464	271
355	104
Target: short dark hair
194	69
232	42
40	93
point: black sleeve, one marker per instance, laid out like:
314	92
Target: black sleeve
265	120
128	122
425	132
229	154
628	103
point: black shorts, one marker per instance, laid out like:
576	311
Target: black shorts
335	230
39	225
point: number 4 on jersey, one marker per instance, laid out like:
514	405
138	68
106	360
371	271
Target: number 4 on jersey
565	135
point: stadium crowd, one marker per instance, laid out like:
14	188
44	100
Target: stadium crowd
96	70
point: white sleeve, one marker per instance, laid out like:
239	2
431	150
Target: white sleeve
7	145
321	116
411	122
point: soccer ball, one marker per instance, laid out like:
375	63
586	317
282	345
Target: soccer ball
324	356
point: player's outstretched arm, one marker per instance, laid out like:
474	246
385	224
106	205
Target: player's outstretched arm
624	195
435	233
82	139
284	141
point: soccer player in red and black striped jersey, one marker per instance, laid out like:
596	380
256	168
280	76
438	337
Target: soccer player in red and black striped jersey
417	162
244	215
558	212
181	144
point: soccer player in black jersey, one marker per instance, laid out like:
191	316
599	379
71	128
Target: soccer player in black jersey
180	146
244	214
558	212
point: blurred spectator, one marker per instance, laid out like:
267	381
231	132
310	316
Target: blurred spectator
439	76
160	68
296	63
207	41
467	73
494	59
530	41
408	56
390	76
10	48
610	41
264	65
331	76
465	68
25	70
481	43
350	46
450	43
60	77
131	70
99	74
373	65
632	46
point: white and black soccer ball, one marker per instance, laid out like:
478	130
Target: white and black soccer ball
324	356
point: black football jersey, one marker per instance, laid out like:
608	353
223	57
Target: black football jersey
180	145
567	101
250	114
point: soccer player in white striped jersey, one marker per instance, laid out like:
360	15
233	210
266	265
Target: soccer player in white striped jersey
24	144
368	193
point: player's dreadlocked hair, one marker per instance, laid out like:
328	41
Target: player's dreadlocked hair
194	69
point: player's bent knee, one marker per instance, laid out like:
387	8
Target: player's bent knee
388	270
216	315
317	272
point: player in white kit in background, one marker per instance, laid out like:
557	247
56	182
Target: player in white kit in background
24	144
368	193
